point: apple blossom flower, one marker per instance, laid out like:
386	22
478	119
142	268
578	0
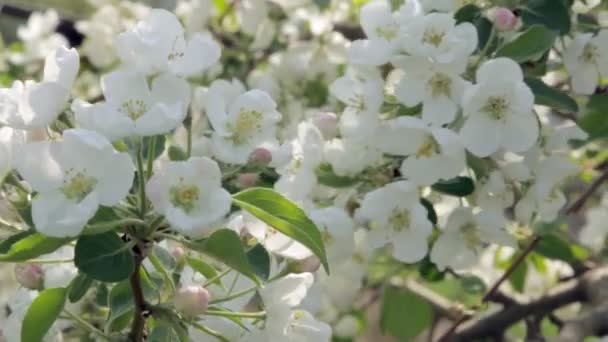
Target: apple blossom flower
586	59
30	104
437	36
190	195
499	111
337	231
241	120
438	87
395	216
157	44
72	179
133	108
465	235
433	153
39	38
382	28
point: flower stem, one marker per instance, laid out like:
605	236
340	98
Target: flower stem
260	314
86	325
208	331
141	179
150	159
139	320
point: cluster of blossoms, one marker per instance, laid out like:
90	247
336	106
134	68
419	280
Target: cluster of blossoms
365	137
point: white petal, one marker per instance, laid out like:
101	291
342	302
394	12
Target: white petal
37	164
103	118
55	215
117	179
585	80
439	110
201	52
510	71
481	135
61	66
520	132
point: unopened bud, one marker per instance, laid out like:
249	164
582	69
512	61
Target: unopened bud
191	300
260	156
247	180
347	327
505	19
178	253
327	123
29	276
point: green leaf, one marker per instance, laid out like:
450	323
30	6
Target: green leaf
284	216
120	301
259	259
404	314
42	313
429	271
595	116
316	90
104	257
518	277
326	176
529	45
459	186
551	97
473	284
225	245
28	245
163	333
467	13
79	287
554	247
431	214
550	13
176	153
205	269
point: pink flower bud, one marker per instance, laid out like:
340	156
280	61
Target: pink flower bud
327	123
247	180
29	276
260	156
191	300
505	19
178	253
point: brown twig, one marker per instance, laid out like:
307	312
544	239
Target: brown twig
139	319
580	202
575	207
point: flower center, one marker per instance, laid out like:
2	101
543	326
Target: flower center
246	124
471	235
78	185
184	196
496	106
134	108
388	33
399	219
590	54
428	148
328	239
440	84
433	36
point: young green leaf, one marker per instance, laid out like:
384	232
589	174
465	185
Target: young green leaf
553	14
284	216
205	269
550	97
259	259
104	257
326	176
225	245
79	287
529	45
399	304
458	186
28	245
42	313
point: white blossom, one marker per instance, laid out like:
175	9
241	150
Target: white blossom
72	180
190	195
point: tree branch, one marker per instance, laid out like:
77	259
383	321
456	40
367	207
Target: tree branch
590	287
139	319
